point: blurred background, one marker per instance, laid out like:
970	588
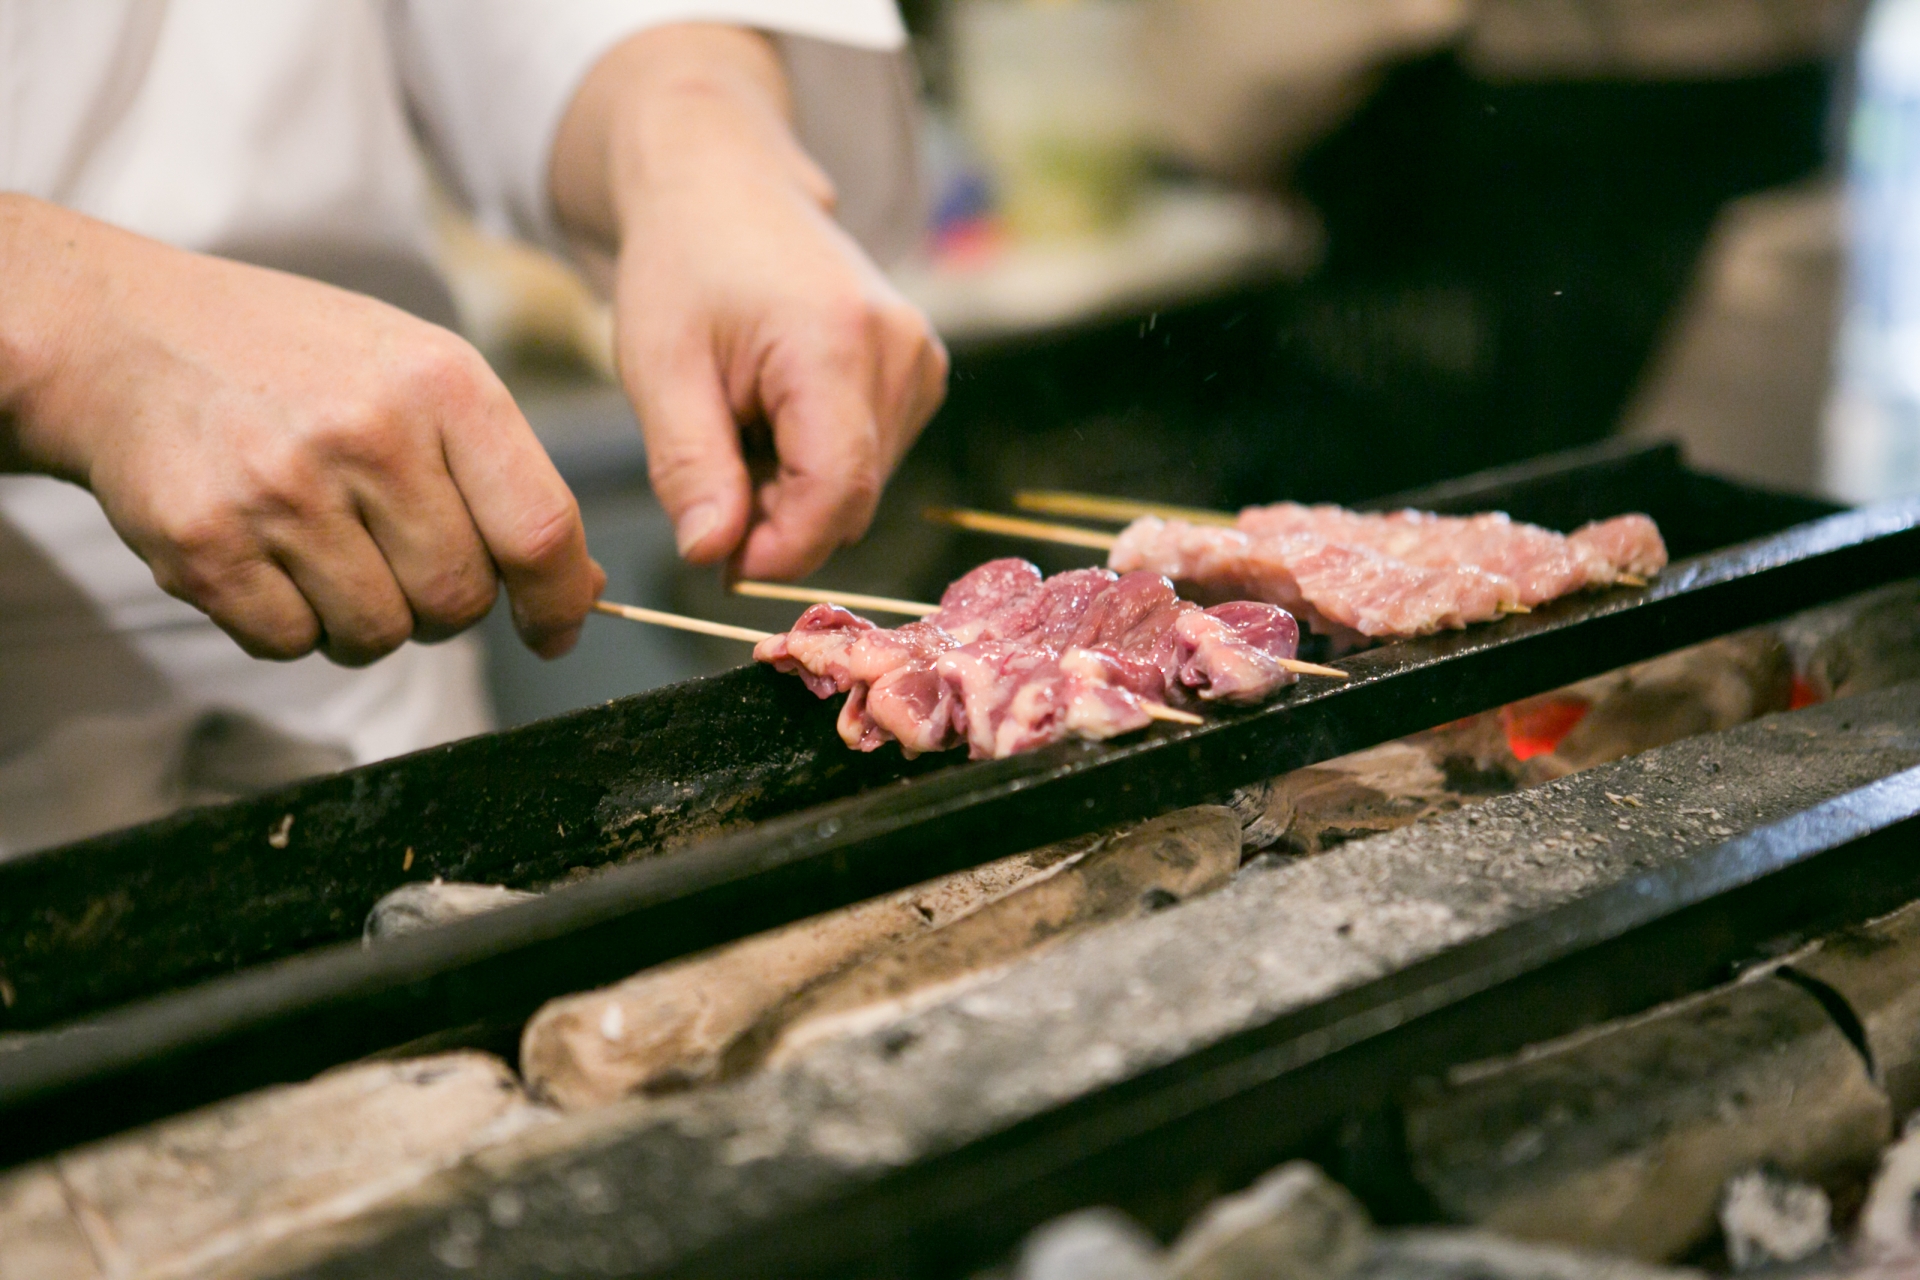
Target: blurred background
1224	251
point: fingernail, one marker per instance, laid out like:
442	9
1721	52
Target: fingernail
699	520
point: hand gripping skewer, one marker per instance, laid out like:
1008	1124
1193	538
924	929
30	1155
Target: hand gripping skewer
700	626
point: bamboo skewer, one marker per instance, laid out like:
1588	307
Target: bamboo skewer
827	595
634	613
1015	527
1092	506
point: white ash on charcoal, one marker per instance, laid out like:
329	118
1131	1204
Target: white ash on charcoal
1621	1138
1768	1217
1293	1224
668	1028
1297	1224
1869	642
1093	1244
675	1173
1889	1229
426	903
1157	865
1875	969
729	1011
214	1192
1440	1254
1704	689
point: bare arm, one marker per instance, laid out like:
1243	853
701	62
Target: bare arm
310	467
739	300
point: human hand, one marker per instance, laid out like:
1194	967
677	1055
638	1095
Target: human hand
739	302
310	467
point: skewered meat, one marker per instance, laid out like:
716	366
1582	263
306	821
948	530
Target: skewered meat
1012	661
1360	576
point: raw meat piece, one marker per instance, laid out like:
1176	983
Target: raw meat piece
1338	590
1011	661
1362	576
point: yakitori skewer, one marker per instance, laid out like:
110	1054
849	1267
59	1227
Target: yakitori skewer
1094	506
1075	536
920	609
828	595
680	622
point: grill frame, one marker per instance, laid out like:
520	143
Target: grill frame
164	1050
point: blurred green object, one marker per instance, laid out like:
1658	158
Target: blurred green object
1049	91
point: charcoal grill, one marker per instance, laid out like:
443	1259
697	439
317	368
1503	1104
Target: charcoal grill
215	951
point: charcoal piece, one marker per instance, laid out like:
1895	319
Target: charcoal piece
1889	1227
1165	861
1875	970
1093	1244
1875	644
1477	1255
1295	1223
1704	689
422	905
669	1028
1618	1139
1767	1217
221	1189
40	1237
1326	805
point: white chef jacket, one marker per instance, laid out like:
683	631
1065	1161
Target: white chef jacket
297	134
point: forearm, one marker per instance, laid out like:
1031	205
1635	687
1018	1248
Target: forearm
674	104
42	259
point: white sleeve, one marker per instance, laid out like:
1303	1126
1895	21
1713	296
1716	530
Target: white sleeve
489	80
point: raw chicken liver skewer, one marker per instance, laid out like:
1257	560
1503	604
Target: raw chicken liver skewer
1011	661
1358	576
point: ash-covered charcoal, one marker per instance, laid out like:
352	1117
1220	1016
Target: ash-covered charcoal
1294	1221
1440	1254
671	1028
1704	689
242	1188
424	904
1869	643
1889	1230
1620	1138
1875	968
1768	1217
1157	865
1093	1244
734	1010
1314	809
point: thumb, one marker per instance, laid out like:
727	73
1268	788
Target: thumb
693	452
